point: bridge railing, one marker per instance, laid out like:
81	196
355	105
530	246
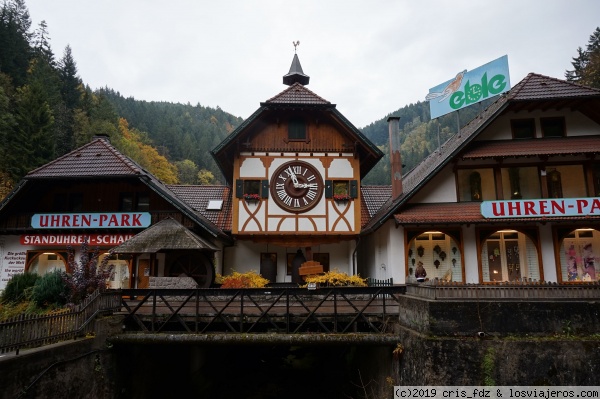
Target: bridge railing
505	291
25	331
282	310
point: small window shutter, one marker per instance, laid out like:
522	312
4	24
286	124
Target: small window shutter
264	191
328	188
239	188
353	188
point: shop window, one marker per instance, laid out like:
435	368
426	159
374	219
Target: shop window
578	258
523	128
476	184
509	256
521	182
553	127
438	254
41	262
120	264
296	129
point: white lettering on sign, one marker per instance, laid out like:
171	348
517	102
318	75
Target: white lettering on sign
74	239
91	220
555	207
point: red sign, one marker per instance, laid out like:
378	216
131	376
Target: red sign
62	240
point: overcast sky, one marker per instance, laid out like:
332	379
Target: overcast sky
368	57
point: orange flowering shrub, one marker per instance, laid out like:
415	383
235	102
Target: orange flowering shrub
336	278
249	279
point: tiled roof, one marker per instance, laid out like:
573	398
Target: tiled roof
523	148
297	94
540	87
168	234
95	159
373	197
198	196
463	212
100	159
527	89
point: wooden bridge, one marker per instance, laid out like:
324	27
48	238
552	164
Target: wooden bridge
328	310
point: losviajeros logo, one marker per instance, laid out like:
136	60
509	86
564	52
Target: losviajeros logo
469	87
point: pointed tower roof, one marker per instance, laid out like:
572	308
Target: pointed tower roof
296	74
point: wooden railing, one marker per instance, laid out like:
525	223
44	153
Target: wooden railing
537	292
281	310
25	331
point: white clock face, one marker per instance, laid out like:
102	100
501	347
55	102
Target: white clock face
296	186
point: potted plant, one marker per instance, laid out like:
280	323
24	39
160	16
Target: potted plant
341	197
251	197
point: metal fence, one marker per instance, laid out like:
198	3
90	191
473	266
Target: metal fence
26	331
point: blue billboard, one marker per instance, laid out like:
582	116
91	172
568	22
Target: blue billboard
468	88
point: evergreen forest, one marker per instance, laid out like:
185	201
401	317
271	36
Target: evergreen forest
47	110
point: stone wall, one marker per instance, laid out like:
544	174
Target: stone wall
172	282
506	317
83	368
427	360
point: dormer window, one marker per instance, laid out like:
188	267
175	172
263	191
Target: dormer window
296	129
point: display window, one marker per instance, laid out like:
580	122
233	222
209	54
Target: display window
120	277
509	255
434	254
42	262
579	256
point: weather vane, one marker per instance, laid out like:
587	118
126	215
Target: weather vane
296	44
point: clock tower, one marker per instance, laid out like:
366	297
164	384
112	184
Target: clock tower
295	167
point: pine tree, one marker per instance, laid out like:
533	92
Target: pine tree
14	40
70	82
41	44
586	66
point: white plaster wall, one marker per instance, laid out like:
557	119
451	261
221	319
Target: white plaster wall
442	188
381	254
340	168
244	256
470	255
548	261
252	167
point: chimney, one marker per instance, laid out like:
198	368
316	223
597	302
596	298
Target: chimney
101	136
395	157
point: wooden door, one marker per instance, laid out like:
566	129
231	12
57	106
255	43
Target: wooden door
143	273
